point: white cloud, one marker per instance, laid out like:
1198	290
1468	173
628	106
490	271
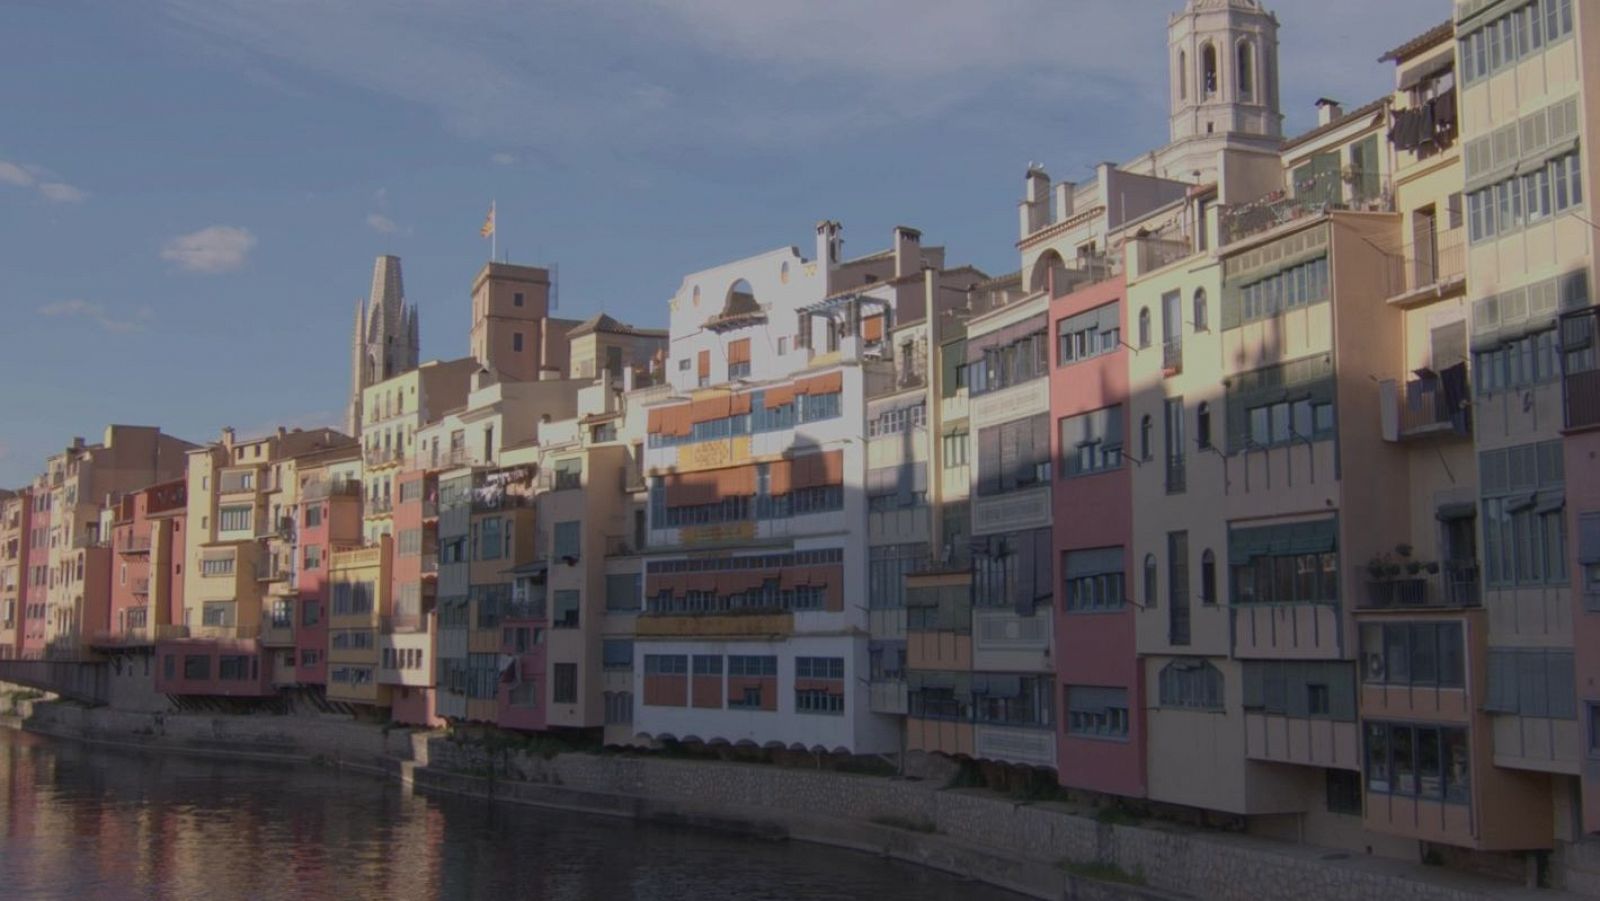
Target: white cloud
503	159
78	308
23	175
218	248
381	224
61	192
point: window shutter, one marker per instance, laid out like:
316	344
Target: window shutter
1533	694
1560	685
704	370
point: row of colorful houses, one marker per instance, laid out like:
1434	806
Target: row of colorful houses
1257	490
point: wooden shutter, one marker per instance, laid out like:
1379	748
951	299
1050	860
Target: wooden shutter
705	364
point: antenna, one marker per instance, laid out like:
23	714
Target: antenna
555	286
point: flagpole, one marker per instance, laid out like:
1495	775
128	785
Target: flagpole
494	229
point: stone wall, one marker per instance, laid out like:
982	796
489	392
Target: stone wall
1011	836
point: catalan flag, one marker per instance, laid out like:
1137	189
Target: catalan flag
488	223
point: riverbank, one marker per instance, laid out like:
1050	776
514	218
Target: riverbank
1039	850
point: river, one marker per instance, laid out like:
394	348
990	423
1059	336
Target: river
79	821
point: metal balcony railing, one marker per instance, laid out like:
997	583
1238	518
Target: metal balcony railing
134	544
1430	405
1322	194
1172	355
1455	584
140	586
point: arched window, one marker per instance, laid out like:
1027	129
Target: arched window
1202	425
1208	71
1183	75
1201	323
1191	682
1144	327
1040	277
1208	577
1151	601
1144	438
1247	73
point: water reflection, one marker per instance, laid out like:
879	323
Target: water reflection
83	822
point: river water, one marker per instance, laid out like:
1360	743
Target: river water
77	821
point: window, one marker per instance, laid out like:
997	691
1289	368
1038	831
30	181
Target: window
352	598
1521	33
1414	654
516	342
1246	72
313	515
217	614
1343	792
1524	522
1007	357
887	567
1091	442
233	667
567	540
235	519
1013	570
616	653
753	666
1095	712
1144	327
566	607
1507	206
819	685
1534	682
1151	575
1518	363
1201	322
1208	577
1191	683
564	683
489	539
310	613
1172	436
1014	455
1092	580
1427	762
1145	426
1208	71
196	666
568	474
623	592
954	446
1089	334
1287	289
1202	425
1292	563
516	299
313	556
619	708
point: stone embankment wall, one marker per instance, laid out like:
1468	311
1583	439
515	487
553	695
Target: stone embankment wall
1042	850
1017	845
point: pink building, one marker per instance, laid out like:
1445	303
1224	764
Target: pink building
330	517
524	625
147	572
36	581
1100	734
406	635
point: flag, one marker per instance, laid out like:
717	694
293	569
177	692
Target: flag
488	223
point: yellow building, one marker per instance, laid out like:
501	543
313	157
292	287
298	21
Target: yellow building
359	588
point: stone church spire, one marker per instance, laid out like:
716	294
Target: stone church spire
386	339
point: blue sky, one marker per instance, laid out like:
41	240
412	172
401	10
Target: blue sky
192	191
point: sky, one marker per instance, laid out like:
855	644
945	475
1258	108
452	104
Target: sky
192	192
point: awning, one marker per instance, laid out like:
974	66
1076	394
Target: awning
1427	70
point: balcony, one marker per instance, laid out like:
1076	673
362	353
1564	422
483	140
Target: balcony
430	508
379	506
402	623
620	546
134	544
127	637
1454	584
430	565
1324	194
278	632
381	456
1432	268
84	540
1172	356
321	489
239	482
1434	405
140	587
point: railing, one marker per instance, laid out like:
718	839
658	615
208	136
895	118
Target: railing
125	637
378	456
533	608
134	545
1081	272
225	633
1279	207
376	505
1172	355
1429	405
140	586
87	540
1177	474
1454	584
401	623
620	546
320	489
170	631
1439	263
499	500
1152	253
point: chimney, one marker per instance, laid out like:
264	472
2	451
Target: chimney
1064	201
228	435
907	250
1328	111
829	248
1034	211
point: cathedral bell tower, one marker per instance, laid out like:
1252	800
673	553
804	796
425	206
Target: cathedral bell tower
1223	56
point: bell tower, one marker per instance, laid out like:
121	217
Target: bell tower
1223	59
